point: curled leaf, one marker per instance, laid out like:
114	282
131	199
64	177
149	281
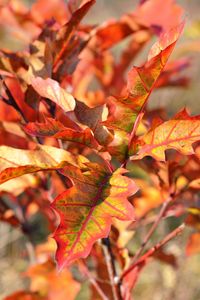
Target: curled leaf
55	129
50	89
16	162
128	111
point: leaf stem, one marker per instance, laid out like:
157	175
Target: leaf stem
93	281
110	262
31	251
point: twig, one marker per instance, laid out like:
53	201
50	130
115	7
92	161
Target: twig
152	229
31	252
150	252
93	281
110	262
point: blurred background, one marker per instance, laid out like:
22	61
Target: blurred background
158	281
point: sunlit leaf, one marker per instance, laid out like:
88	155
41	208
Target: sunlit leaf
50	89
145	14
86	210
127	111
16	162
55	129
46	281
178	133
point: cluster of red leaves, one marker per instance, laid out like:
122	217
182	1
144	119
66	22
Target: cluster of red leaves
78	139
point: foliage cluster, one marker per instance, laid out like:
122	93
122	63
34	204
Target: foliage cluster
82	156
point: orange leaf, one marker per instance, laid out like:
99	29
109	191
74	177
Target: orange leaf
128	111
56	129
151	13
178	133
193	246
86	209
47	282
49	88
16	162
24	295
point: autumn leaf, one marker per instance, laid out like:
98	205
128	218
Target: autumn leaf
24	295
7	213
56	9
92	117
46	281
11	134
16	162
50	89
193	245
195	184
114	32
86	209
178	133
68	29
128	111
166	18
149	199
55	129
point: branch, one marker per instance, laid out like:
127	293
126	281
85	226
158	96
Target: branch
31	251
110	262
150	252
152	229
93	281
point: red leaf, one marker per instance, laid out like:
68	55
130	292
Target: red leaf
193	246
86	210
127	111
56	129
178	133
151	13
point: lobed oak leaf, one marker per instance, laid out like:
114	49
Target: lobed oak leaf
55	129
178	133
87	208
16	162
49	88
128	110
